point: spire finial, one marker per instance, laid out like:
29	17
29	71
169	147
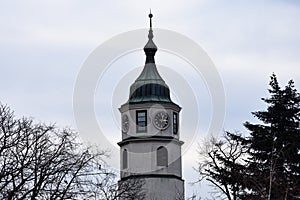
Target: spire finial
150	48
150	16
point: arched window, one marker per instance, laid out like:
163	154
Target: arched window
125	159
162	156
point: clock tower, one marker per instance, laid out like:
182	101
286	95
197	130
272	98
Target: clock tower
151	148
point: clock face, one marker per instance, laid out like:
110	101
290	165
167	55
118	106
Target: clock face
161	120
125	123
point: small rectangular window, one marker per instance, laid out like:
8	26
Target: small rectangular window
175	123
125	159
141	121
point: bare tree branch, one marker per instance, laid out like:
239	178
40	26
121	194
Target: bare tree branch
39	161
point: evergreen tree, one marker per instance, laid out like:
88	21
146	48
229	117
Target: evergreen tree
274	146
265	164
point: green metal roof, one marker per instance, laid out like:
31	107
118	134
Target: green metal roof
149	86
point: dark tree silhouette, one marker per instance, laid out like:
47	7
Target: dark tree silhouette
39	161
274	145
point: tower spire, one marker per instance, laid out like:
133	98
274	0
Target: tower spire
150	48
149	86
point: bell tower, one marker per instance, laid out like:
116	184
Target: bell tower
151	148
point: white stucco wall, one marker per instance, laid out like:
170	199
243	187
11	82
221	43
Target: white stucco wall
164	189
142	158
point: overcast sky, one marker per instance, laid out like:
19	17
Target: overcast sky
44	44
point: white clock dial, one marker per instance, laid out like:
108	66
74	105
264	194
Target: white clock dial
125	123
161	120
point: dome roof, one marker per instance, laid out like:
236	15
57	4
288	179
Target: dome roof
149	86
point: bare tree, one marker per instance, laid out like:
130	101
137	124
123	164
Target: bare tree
194	197
220	164
39	161
131	189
